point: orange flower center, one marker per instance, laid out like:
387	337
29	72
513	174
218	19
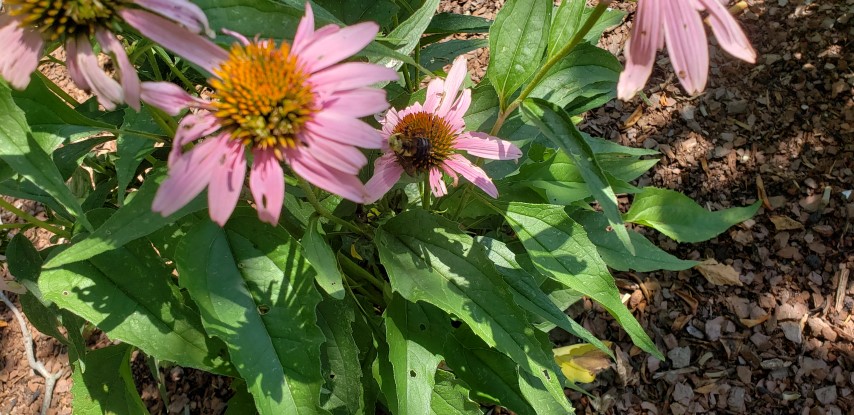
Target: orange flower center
58	18
420	141
263	96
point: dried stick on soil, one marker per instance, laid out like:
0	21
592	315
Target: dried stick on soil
49	378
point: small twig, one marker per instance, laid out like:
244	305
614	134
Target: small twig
37	366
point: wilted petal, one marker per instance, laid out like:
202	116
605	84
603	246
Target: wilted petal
351	75
267	183
22	50
686	44
729	33
169	97
104	87
435	92
486	146
472	173
71	64
181	11
192	127
641	47
455	115
386	173
319	174
227	180
437	185
456	76
127	73
305	30
328	50
178	39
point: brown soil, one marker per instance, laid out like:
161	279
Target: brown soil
780	131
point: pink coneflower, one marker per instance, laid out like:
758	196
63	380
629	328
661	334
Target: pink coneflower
424	139
293	103
679	24
29	24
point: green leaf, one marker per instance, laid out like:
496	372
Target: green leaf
561	250
48	113
585	79
126	293
435	56
529	296
569	18
20	150
256	292
268	19
451	397
404	38
451	23
132	149
339	355
682	219
649	257
69	156
557	126
106	387
132	221
437	263
414	366
241	403
319	254
517	41
349	12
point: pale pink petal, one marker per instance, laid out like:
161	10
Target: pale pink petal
437	184
320	175
267	183
389	121
730	35
226	180
449	172
108	91
189	174
351	75
328	50
71	64
242	39
453	82
641	47
305	30
182	11
455	115
192	127
486	146
435	92
386	173
22	49
343	157
178	39
169	97
127	73
346	130
686	44
472	173
357	103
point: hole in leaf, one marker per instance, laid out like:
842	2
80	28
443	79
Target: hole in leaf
331	376
263	309
65	292
412	373
422	327
456	324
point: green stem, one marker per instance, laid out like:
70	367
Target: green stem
167	123
33	220
180	74
322	211
407	78
152	60
551	62
351	267
425	192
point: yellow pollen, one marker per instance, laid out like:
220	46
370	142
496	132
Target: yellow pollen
56	19
263	96
422	140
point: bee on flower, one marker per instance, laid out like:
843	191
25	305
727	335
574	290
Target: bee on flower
425	139
678	23
293	103
28	25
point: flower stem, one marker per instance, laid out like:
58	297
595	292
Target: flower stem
354	269
322	211
551	62
33	220
425	192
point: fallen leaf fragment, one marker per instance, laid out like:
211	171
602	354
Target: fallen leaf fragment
717	273
581	362
785	223
752	322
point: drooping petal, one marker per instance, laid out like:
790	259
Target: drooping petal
71	64
192	127
267	183
22	49
357	102
640	49
326	51
226	180
346	130
351	75
343	157
454	176
453	82
434	95
320	175
169	97
108	91
729	33
386	173
184	12
486	146
178	39
686	44
239	36
127	73
305	30
472	173
189	174
437	184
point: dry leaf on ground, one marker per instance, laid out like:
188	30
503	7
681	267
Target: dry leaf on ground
717	273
